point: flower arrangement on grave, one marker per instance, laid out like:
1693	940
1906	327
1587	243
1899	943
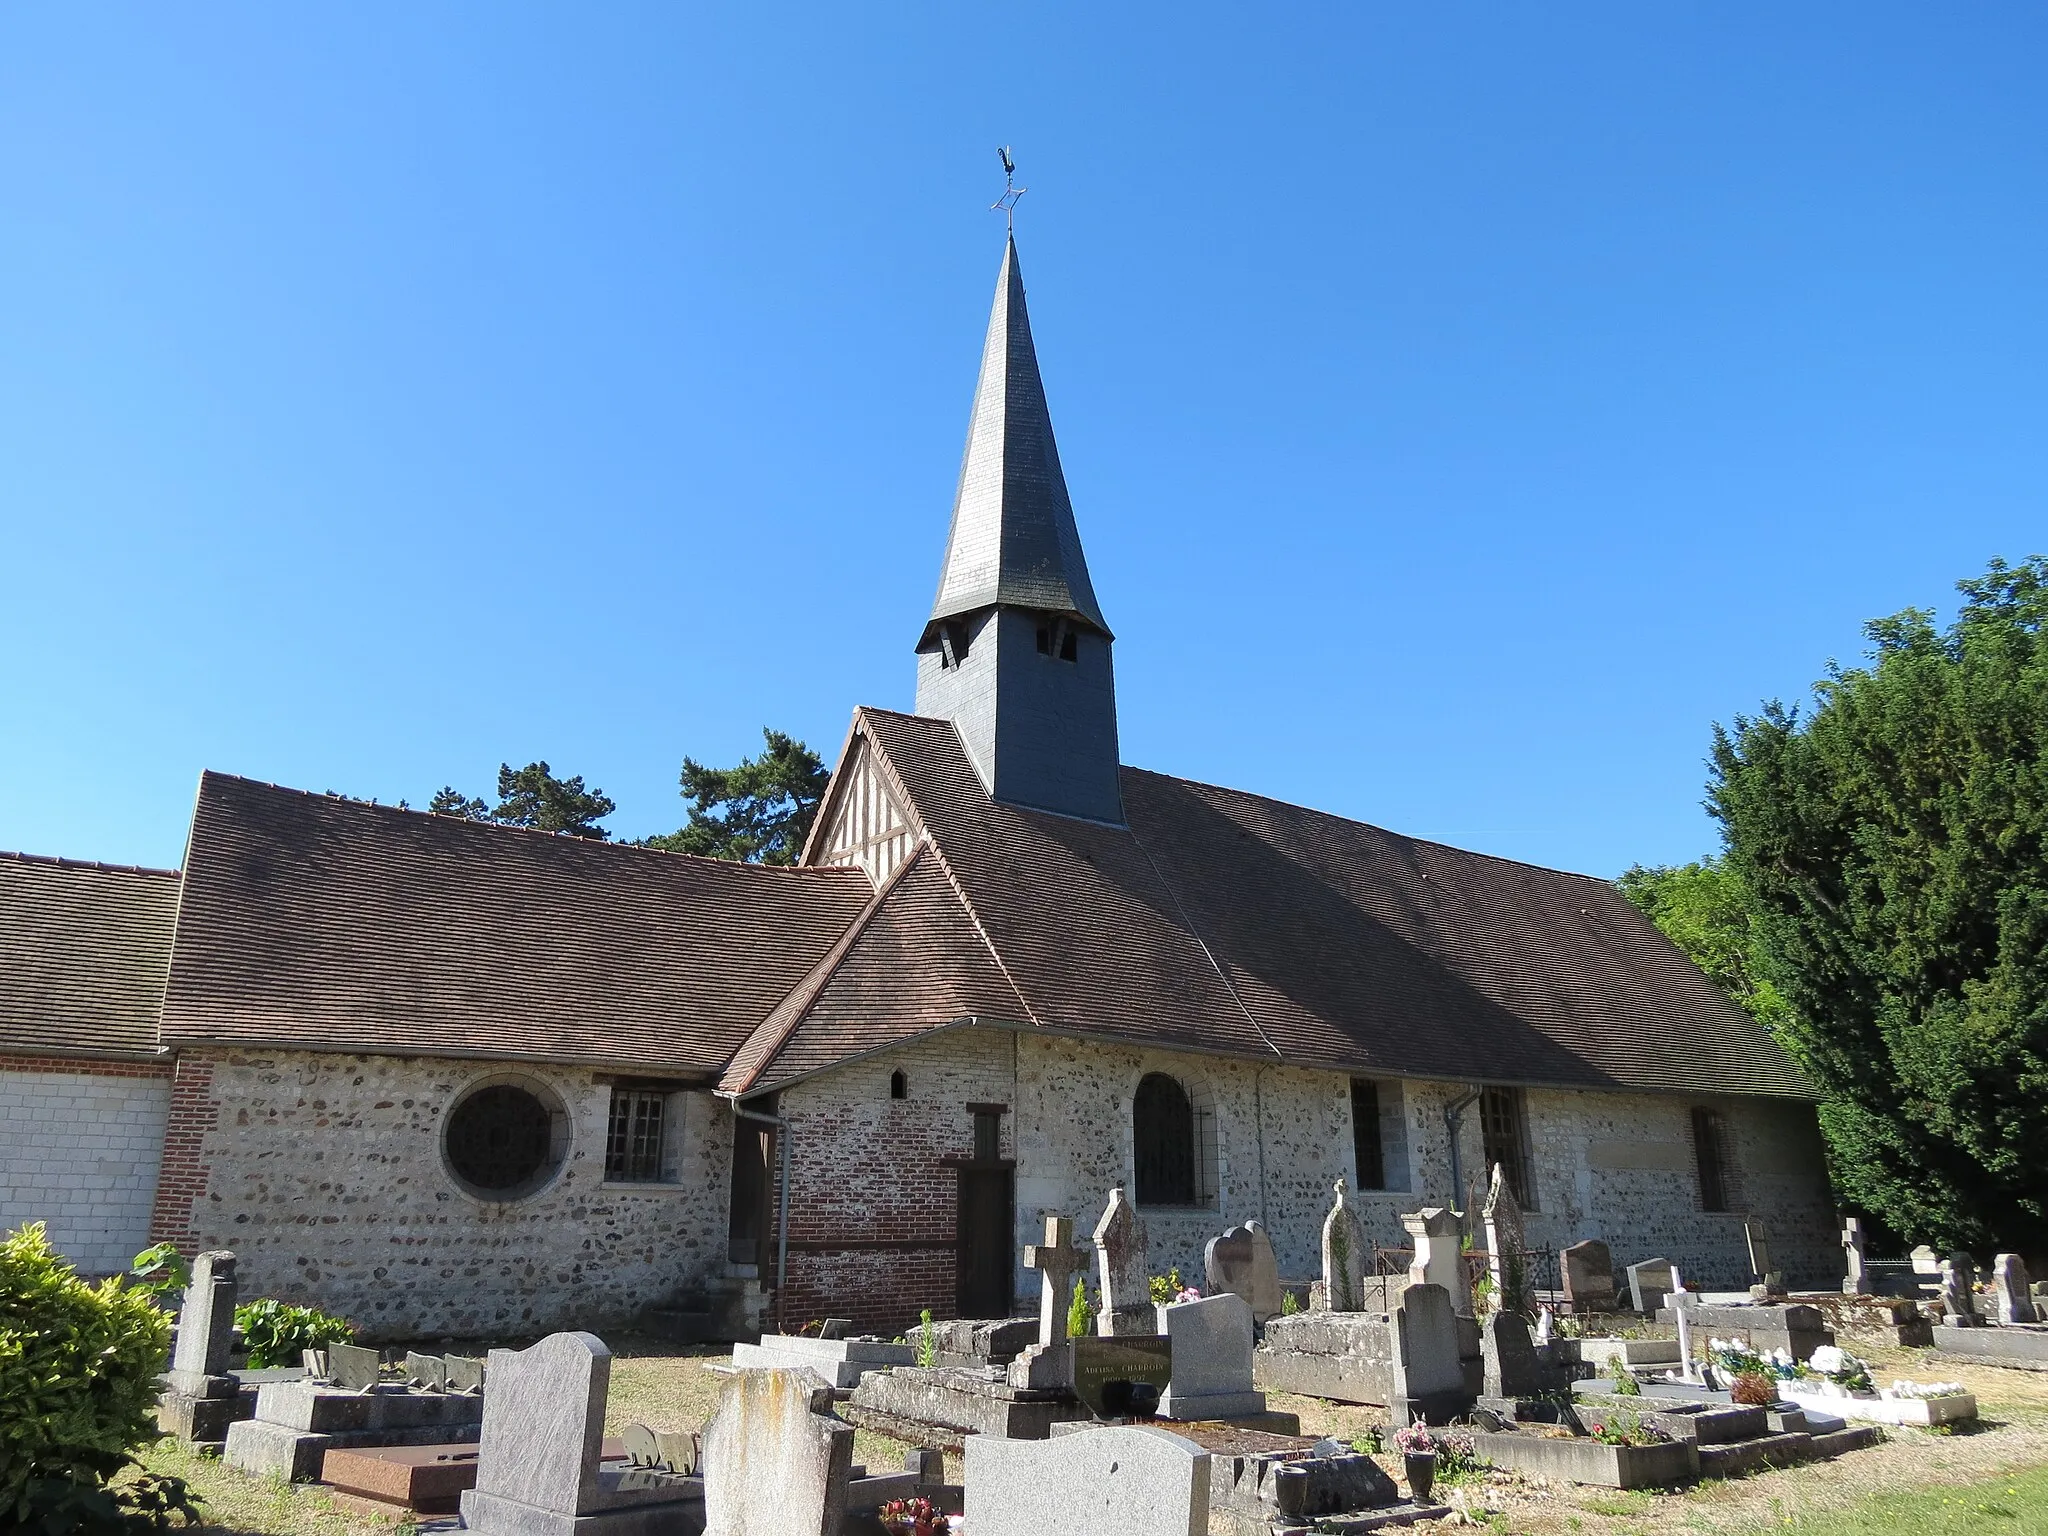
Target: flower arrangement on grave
1167	1289
1737	1359
1625	1428
1415	1440
914	1517
1923	1389
1840	1372
1753	1389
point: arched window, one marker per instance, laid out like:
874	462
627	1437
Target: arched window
1163	1135
899	1086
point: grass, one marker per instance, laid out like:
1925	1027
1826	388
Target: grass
2016	1502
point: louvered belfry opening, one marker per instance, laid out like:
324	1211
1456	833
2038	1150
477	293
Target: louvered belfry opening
1163	1133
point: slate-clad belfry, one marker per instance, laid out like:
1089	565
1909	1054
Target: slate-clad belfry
447	1077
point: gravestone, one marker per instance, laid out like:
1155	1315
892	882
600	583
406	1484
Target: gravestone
352	1368
1344	1255
1650	1284
1959	1291
2011	1297
538	1470
1123	1378
1049	1363
1927	1270
1437	1236
1588	1270
776	1460
465	1373
200	1399
1512	1367
1122	1272
428	1372
1212	1342
1123	1481
665	1450
1242	1262
1855	1280
835	1327
1768	1284
1507	1243
1428	1369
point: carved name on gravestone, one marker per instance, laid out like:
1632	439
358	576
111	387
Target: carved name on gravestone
1122	1378
1242	1262
2011	1297
1588	1270
1344	1255
1122	1272
1126	1481
353	1368
1959	1291
1514	1288
1855	1280
1649	1284
1437	1235
776	1459
206	1323
1212	1343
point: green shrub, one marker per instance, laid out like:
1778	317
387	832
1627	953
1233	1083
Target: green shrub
1080	1315
927	1340
78	1368
275	1331
159	1273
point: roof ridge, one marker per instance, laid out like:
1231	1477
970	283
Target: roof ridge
501	828
59	861
1353	821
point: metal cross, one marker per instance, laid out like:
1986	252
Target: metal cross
1007	203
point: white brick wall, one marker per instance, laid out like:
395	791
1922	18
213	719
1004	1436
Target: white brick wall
79	1152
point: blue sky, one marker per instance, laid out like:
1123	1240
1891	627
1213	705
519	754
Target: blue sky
1463	407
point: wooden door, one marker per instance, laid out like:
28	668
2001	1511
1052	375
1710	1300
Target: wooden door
984	1233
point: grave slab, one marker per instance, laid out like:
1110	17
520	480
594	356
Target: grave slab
2021	1348
841	1362
1118	1481
959	1400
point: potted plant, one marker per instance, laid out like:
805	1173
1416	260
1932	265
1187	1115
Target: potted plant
1418	1458
914	1517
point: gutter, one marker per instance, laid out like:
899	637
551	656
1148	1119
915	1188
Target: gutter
1454	1115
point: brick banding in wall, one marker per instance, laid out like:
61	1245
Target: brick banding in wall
89	1066
182	1181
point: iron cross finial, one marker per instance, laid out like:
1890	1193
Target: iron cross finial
1007	203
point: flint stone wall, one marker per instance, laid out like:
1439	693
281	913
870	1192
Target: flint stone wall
324	1174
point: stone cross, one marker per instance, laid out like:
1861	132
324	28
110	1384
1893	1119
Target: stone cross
2012	1298
1343	1255
1055	1259
1514	1289
1122	1269
1437	1235
1680	1301
206	1324
1854	1280
1959	1290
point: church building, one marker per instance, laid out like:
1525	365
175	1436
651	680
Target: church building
450	1078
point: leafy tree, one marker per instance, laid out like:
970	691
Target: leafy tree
533	797
1703	908
1895	844
759	812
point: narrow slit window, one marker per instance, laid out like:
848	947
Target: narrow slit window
899	1085
988	1135
632	1151
1368	1149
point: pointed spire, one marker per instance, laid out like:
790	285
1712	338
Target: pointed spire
1013	542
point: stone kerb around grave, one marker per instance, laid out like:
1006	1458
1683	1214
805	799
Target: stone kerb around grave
1134	1481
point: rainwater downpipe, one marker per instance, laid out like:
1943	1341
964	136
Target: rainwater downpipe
781	1207
1454	1115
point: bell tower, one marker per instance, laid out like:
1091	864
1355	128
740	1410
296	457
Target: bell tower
1016	653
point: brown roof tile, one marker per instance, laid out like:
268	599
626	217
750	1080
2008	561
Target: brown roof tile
1224	921
314	920
83	951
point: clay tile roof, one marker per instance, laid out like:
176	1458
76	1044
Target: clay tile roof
329	923
83	951
1224	921
911	964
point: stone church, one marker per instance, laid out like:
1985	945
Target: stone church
458	1079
